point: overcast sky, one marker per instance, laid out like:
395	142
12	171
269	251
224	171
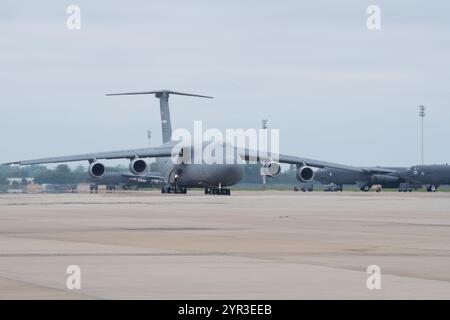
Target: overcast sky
336	90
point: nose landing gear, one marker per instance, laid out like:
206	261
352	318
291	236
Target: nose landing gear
173	186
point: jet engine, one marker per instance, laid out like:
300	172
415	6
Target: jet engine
138	166
271	169
384	179
305	174
96	170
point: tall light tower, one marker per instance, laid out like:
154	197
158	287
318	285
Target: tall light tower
149	136
264	123
422	115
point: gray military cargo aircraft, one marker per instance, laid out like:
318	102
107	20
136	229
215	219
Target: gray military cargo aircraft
178	176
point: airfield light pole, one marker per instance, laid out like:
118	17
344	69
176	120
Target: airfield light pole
149	136
422	115
264	123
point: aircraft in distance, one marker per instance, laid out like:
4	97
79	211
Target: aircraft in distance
124	180
431	176
405	179
364	179
215	178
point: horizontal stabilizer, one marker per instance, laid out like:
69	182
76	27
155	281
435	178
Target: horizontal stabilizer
158	92
163	96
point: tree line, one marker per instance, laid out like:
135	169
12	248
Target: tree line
63	174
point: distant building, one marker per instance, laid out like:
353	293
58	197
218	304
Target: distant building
59	188
19	180
18	185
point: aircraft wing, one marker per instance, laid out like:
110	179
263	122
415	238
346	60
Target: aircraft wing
381	170
252	155
315	163
163	151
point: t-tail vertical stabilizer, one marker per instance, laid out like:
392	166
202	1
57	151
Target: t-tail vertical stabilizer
163	96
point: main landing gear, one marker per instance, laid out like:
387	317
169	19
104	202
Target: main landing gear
218	191
173	189
94	188
405	187
332	187
365	188
431	188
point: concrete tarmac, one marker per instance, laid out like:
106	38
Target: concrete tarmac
252	245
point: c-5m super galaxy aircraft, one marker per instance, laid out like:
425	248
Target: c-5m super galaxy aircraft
214	178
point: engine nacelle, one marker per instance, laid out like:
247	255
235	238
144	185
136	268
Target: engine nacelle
271	169
384	179
138	166
305	174
96	170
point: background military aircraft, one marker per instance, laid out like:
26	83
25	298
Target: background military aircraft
124	180
429	176
405	179
364	178
214	178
